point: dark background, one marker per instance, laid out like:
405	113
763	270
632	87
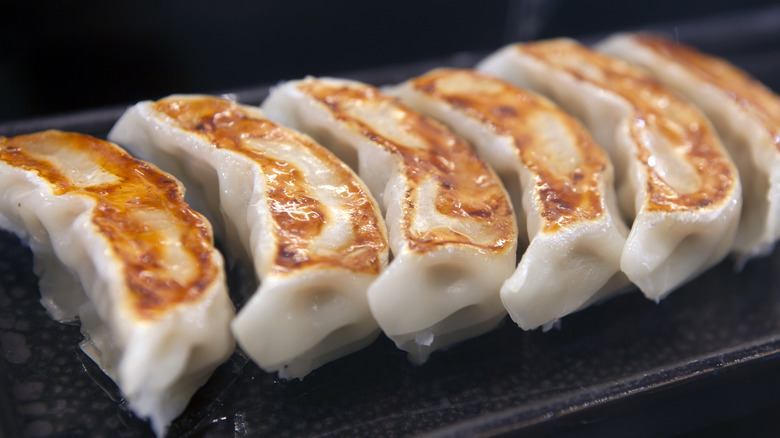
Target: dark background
61	56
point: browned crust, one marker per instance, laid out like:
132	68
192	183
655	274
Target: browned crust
467	189
566	199
298	216
682	125
751	96
153	288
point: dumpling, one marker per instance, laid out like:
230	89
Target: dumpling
314	233
745	113
562	179
675	180
139	265
451	225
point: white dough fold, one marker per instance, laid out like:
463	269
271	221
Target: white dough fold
62	200
676	184
302	218
451	227
561	183
745	113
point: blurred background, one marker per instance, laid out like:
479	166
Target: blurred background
63	56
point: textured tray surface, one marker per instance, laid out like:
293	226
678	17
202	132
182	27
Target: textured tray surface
625	348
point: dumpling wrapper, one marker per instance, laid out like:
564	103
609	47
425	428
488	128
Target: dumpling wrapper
115	245
745	113
552	167
451	225
675	180
314	233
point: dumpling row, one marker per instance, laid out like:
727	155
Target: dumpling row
440	266
309	226
452	229
677	185
561	182
744	112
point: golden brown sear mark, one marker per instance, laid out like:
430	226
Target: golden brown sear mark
467	189
299	217
681	125
118	214
748	93
567	198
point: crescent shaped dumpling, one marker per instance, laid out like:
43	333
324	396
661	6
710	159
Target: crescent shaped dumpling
745	113
562	179
115	245
452	229
313	232
674	178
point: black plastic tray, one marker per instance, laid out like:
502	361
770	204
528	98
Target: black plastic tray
618	367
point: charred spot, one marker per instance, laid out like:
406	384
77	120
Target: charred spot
429	88
441	163
205	126
563	205
459	102
148	258
556	204
577	176
484	214
704	202
286	255
376	138
147	298
551	215
521	141
332	105
173	195
504	111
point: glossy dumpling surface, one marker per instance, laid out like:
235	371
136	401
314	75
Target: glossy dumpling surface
562	180
451	226
676	183
745	113
115	245
312	231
